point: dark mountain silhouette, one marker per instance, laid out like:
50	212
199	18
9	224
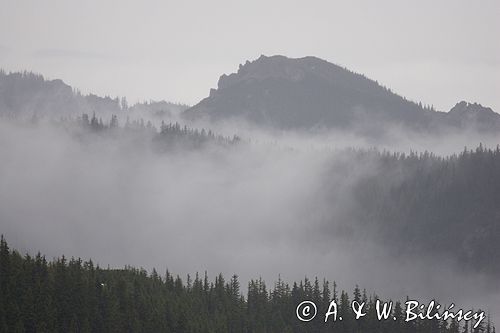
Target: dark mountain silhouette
309	92
473	114
27	94
275	91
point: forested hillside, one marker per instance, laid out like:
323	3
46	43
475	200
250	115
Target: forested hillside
426	204
64	295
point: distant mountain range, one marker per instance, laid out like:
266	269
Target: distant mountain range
28	94
276	92
309	93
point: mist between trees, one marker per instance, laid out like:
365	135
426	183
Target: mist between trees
168	195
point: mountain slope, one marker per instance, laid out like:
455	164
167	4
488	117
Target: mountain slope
27	94
309	92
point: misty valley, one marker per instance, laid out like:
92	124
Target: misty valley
418	203
192	218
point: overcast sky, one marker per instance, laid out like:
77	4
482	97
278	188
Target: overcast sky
438	52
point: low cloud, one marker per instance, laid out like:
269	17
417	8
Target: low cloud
254	210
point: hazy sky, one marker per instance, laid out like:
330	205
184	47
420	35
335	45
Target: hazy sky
438	52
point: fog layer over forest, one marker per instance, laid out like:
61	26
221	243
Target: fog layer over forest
266	206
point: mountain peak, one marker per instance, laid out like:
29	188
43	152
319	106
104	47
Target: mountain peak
281	67
465	114
277	66
464	108
309	92
302	93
